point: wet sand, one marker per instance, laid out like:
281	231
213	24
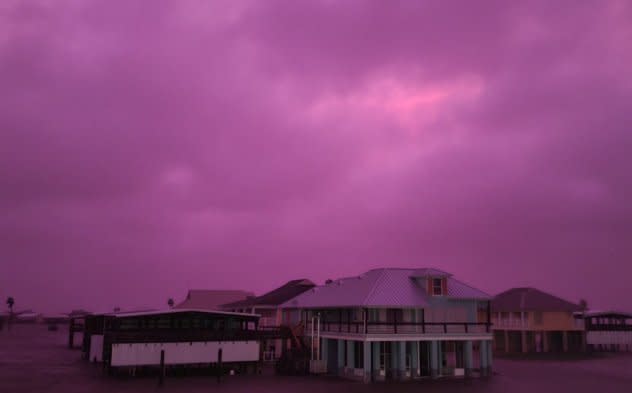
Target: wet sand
34	360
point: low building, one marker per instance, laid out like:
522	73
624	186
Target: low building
396	323
607	330
530	320
55	318
212	299
272	317
172	337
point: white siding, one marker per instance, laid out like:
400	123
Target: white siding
184	353
606	338
96	347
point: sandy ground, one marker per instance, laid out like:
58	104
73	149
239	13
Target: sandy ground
34	360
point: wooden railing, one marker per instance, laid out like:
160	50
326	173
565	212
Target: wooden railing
403	327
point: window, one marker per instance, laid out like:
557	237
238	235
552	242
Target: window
537	317
437	286
516	318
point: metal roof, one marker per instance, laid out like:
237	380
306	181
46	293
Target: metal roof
387	287
459	290
430	272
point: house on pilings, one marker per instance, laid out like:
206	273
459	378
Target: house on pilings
398	324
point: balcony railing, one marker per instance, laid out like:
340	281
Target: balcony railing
511	323
402	327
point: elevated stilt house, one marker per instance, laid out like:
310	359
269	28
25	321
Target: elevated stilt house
172	337
399	324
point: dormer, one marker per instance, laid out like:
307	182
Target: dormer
433	280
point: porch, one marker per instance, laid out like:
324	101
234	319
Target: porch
372	361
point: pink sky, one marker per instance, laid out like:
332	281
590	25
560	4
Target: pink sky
151	147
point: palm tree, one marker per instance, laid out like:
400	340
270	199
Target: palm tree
583	304
10	303
170	302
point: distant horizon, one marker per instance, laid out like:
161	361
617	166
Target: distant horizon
163	305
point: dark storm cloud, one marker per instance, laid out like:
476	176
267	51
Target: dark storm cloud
155	148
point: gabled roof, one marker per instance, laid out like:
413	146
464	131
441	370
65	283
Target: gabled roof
275	297
211	299
387	287
530	299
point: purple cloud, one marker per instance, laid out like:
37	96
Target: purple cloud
242	144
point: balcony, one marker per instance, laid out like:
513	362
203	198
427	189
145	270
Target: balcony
412	328
510	323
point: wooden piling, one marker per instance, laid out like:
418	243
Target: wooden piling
219	365
161	379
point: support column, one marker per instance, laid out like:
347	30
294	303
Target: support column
367	366
434	359
565	341
483	355
490	355
394	359
523	341
414	359
545	341
467	353
341	357
506	341
323	349
402	360
376	359
440	356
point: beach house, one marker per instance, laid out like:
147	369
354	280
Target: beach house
396	323
530	320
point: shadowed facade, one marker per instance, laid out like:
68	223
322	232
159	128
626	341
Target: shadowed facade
530	320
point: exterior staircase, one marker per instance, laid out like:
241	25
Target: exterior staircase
295	359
